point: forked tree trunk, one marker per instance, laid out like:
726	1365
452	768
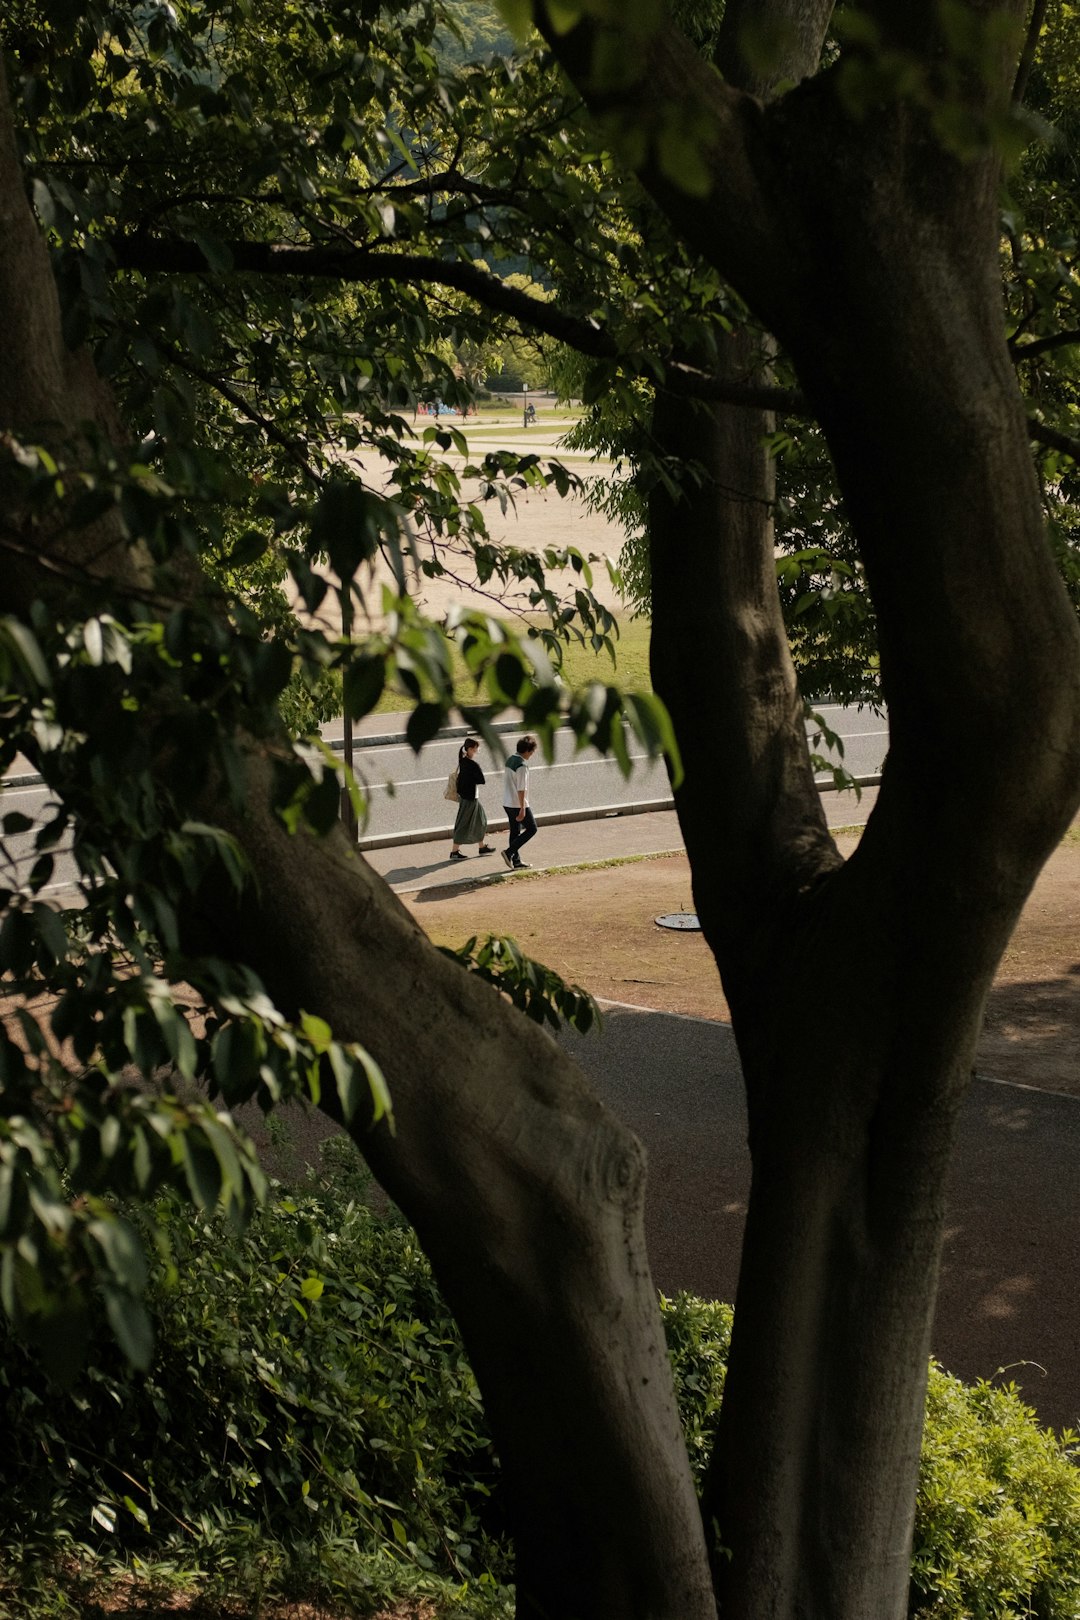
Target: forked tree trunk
857	992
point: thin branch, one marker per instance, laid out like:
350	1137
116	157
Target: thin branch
1037	346
1027	55
237	400
588	337
1043	434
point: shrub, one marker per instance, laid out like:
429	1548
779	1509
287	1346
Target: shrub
698	1333
310	1419
997	1531
997	1524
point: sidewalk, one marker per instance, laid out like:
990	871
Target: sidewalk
408	868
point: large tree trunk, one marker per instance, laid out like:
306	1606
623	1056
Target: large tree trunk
525	1192
857	992
528	1197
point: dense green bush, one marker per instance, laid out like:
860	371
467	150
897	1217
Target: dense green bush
310	1426
310	1421
997	1530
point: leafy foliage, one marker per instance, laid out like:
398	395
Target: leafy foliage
309	1422
274	509
998	1519
538	990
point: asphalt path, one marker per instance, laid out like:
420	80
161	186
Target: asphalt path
1007	1307
405	790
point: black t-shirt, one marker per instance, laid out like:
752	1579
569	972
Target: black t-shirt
469	778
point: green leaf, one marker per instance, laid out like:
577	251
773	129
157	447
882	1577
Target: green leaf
50	931
131	1325
178	1038
317	1031
236	1052
351	1065
25	648
249	547
423	724
93	641
202	1170
123	1251
347	525
362	684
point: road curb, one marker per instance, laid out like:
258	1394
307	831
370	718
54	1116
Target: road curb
605	812
434	835
375	739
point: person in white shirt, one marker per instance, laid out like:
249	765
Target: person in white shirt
516	802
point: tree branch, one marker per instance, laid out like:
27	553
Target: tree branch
270	429
674	92
1027	56
1037	346
348	264
1043	434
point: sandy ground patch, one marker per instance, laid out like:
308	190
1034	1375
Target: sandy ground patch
536	520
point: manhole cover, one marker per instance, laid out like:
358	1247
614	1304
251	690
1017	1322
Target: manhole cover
680	919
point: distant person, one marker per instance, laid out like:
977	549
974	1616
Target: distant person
530	415
516	803
470	826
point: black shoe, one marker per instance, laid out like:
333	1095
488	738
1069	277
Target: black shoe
486	849
456	855
521	866
508	858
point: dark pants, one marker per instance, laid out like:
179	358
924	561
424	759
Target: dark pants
520	831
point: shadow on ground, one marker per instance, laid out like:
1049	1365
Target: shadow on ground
1008	1297
1032	1032
1008	1293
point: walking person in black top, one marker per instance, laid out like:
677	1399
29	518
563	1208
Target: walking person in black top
471	824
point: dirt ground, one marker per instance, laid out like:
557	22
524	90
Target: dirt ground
596	926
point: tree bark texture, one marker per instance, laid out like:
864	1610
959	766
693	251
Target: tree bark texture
48	394
528	1197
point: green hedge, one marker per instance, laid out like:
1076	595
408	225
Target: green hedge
311	1428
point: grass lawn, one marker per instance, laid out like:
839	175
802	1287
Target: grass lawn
580	666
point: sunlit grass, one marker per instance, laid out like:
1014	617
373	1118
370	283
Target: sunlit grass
581	665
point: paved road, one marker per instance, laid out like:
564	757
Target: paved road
1008	1294
406	790
572	783
1007	1306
